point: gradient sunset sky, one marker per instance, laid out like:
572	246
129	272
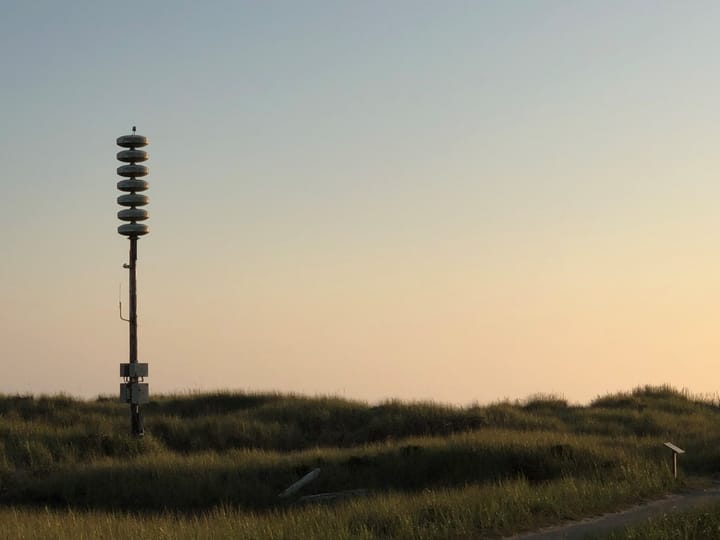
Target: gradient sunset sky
447	200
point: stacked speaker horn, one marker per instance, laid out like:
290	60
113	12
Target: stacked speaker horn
132	184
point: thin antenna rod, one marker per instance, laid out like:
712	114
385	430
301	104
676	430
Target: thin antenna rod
120	303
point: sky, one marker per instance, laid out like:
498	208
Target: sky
426	200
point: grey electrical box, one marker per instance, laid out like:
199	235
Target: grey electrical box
133	370
135	393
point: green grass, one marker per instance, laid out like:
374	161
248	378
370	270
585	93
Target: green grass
472	512
700	524
212	465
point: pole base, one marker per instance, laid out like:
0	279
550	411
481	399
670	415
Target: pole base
136	423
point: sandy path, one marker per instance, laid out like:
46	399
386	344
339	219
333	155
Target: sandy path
632	516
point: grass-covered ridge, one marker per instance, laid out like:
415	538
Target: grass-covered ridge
237	451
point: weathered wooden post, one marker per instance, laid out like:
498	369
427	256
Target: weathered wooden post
675	450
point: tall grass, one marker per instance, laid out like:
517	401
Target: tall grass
476	511
700	524
229	454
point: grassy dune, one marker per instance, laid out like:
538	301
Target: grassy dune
212	465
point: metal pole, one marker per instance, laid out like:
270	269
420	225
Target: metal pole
133	299
135	416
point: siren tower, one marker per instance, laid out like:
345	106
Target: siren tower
133	389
